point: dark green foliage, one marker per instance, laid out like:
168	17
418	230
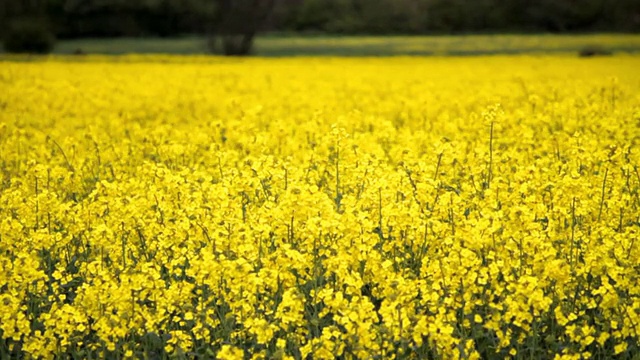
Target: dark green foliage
232	25
113	18
29	36
100	18
447	16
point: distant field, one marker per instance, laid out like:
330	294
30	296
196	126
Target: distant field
370	45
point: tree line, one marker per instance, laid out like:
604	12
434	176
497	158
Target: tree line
231	24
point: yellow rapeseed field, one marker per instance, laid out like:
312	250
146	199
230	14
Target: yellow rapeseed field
179	207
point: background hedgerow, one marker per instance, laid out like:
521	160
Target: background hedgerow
316	208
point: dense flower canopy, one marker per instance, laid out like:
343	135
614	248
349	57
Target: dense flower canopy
297	208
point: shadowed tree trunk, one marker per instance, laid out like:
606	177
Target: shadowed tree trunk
236	23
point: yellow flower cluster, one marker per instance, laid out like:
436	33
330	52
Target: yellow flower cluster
483	207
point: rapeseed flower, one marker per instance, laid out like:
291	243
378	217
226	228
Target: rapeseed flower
214	214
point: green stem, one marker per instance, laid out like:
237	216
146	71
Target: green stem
604	183
490	176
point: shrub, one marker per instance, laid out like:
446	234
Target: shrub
26	36
593	50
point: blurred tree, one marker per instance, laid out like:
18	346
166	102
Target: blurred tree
135	18
313	15
25	26
567	15
452	16
11	10
236	23
622	15
231	25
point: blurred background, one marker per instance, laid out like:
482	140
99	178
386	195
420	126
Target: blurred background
230	26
